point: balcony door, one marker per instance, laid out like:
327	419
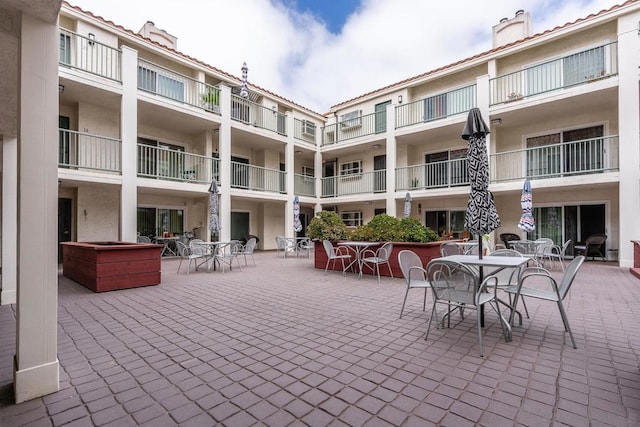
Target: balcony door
380	173
239	225
381	116
240	173
64	141
329	184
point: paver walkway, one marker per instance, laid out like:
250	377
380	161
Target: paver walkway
283	344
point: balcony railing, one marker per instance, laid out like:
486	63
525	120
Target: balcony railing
305	130
448	173
361	183
583	67
304	185
163	82
436	107
251	113
588	156
173	165
78	150
257	178
362	125
88	55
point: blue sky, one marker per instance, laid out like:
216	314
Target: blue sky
320	53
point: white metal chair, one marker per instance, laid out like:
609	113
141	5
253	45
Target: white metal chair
508	277
414	274
304	246
228	253
557	252
143	239
334	254
247	250
374	259
451	248
551	292
191	254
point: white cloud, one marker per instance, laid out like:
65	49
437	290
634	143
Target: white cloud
293	55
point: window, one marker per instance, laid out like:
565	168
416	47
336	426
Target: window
350	169
65	49
308	128
308	173
443	222
155	221
161	84
351	120
352	219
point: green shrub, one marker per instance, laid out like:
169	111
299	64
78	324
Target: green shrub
410	230
327	225
385	228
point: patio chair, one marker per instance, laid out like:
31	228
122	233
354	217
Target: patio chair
285	245
143	239
228	253
247	249
334	254
374	259
414	274
542	245
592	247
455	285
508	277
191	254
507	237
552	292
451	248
557	252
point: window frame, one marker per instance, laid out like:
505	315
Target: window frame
351	218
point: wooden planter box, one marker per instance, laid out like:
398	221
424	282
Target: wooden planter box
635	270
108	266
426	252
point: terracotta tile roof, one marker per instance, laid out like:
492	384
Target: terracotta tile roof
488	52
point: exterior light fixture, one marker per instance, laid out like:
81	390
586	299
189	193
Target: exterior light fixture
92	38
377	146
298	152
60	88
399	99
496	121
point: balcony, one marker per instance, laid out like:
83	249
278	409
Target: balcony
77	150
443	174
81	53
354	125
588	156
249	112
305	131
357	183
173	165
580	68
168	84
257	178
436	107
304	185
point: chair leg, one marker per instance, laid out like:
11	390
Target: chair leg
434	313
565	320
424	303
179	266
479	323
404	302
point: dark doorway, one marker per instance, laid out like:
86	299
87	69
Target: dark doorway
380	173
64	224
239	225
329	181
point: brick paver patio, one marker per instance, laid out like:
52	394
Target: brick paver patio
283	344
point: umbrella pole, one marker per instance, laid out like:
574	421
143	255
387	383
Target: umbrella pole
480	277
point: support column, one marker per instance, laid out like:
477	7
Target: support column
289	161
129	148
9	220
36	367
224	148
391	159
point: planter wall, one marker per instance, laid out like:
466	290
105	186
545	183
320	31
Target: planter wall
635	270
108	266
426	252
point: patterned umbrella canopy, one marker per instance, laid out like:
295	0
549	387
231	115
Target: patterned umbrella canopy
527	222
214	220
481	216
244	90
407	205
297	225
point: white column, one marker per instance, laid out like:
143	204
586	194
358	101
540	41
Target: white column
629	131
391	159
9	219
129	149
224	148
36	363
289	162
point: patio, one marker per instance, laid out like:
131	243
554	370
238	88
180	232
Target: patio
258	347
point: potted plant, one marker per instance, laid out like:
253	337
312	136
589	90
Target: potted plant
211	100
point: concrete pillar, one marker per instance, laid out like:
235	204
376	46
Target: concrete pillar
629	131
36	368
9	219
289	161
391	159
129	134
224	148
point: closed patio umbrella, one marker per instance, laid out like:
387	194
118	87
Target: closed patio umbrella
297	225
481	216
244	90
407	205
527	222
214	219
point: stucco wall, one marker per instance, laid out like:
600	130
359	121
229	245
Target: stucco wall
97	213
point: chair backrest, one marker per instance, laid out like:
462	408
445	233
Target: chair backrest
182	249
384	252
596	239
408	260
506	276
144	239
543	244
194	242
569	275
507	237
450	248
452	281
506	252
564	248
250	246
328	248
235	247
197	249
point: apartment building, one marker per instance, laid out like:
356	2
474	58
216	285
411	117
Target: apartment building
143	130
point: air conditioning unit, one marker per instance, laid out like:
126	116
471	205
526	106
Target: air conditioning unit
351	120
308	128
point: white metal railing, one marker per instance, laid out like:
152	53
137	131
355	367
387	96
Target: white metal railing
85	151
361	183
252	113
163	82
257	178
305	130
304	185
173	165
583	67
436	107
89	55
448	173
362	125
595	155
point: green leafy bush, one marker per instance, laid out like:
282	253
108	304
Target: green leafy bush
410	230
327	225
385	228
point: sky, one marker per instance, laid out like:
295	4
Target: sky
318	53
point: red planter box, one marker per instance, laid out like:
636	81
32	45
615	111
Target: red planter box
426	252
108	266
635	270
